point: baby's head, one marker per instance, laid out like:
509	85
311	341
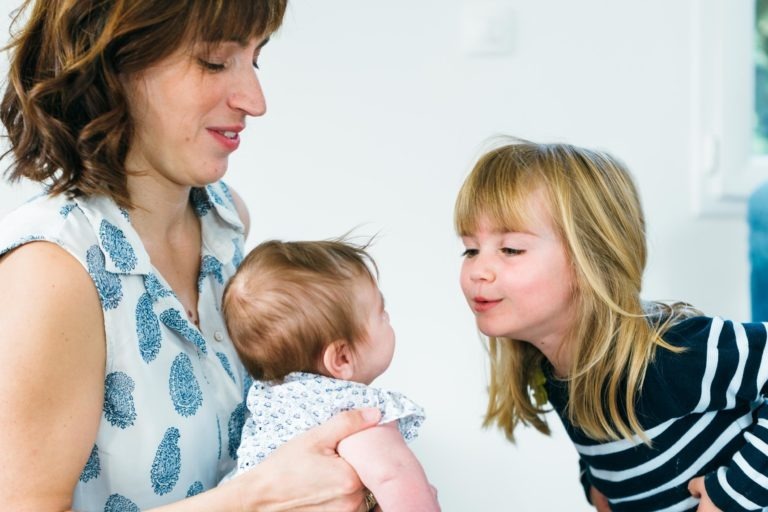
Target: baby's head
311	306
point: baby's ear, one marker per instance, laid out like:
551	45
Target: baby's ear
338	360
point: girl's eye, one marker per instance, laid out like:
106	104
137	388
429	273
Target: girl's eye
508	251
211	66
468	253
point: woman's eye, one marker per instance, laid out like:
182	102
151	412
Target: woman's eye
510	251
211	66
468	253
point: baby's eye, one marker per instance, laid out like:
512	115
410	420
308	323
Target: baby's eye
469	253
508	251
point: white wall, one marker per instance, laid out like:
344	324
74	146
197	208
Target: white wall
375	117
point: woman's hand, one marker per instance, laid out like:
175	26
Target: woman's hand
306	474
599	501
697	490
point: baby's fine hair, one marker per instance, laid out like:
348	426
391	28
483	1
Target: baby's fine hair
595	209
289	300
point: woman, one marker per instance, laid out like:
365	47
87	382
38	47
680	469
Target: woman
121	388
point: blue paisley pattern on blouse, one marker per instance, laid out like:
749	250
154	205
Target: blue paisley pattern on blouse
235	429
173	392
200	201
116	245
167	464
225	363
173	319
118	400
117	503
107	284
185	392
210	266
195	489
155	288
64	211
147	328
92	467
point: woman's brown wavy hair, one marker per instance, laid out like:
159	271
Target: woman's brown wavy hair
64	106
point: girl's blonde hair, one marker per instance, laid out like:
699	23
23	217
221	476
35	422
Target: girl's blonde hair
596	211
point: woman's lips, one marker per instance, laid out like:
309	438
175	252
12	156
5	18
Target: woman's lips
230	139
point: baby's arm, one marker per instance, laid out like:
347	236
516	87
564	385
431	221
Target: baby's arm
389	469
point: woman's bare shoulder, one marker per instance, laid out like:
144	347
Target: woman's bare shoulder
52	355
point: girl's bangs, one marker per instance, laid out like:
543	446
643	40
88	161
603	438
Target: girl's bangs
497	192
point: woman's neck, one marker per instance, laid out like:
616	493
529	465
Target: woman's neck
161	210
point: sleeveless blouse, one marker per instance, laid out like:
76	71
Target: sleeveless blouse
173	393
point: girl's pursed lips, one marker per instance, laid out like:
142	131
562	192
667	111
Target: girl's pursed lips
481	304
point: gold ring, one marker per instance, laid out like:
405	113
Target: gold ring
370	501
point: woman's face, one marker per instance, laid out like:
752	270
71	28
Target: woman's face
189	109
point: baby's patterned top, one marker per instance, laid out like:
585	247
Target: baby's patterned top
173	393
304	400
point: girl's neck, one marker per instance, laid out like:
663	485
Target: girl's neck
558	358
556	354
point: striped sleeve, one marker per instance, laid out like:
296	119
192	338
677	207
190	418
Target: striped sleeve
584	479
739	379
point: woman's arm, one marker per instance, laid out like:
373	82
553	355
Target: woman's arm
389	469
52	356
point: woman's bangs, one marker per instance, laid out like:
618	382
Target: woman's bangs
235	20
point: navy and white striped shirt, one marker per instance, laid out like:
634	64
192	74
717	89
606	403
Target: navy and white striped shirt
703	409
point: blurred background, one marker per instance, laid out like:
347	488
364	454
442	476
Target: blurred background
376	113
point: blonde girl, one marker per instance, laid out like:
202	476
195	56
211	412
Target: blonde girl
663	404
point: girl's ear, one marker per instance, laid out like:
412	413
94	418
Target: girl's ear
338	360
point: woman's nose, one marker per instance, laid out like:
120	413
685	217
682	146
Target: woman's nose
246	94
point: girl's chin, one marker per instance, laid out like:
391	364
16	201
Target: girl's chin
493	333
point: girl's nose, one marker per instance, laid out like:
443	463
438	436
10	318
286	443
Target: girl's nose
246	94
481	270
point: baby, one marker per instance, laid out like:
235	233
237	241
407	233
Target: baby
309	323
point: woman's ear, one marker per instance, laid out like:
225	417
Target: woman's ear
338	360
